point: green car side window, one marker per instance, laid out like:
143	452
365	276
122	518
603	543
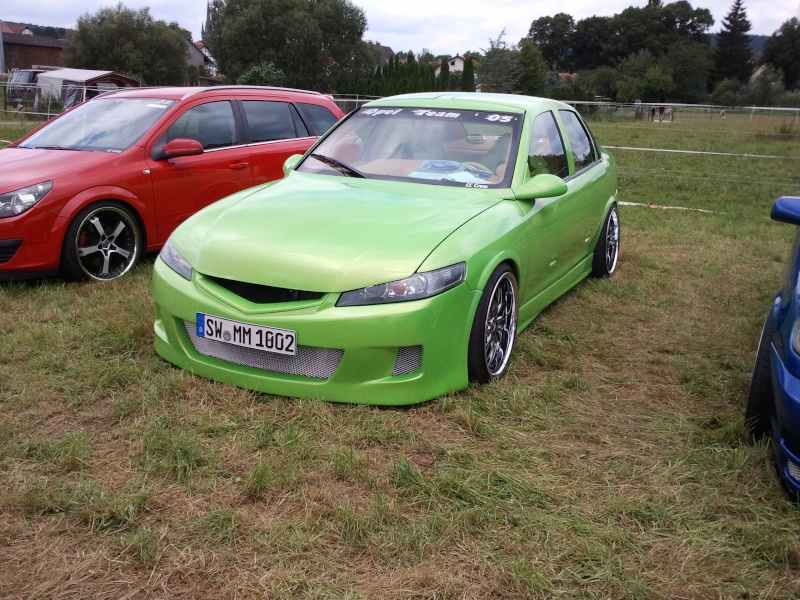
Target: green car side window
583	150
546	151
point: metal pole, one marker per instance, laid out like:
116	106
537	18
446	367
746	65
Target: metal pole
2	53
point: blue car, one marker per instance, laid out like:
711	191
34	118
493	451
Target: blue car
773	405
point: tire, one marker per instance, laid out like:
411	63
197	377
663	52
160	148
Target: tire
102	243
494	328
760	399
606	252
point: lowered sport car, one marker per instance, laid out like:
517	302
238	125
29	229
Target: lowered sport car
399	258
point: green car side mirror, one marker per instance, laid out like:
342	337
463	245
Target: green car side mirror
291	163
541	186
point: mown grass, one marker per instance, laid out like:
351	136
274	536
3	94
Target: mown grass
611	462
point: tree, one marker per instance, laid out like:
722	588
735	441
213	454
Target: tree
603	81
263	74
468	75
318	45
444	75
732	55
690	64
644	78
131	42
553	36
765	89
532	71
498	69
782	51
589	44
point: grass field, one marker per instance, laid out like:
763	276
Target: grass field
612	461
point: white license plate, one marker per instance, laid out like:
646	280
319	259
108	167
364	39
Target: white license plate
269	339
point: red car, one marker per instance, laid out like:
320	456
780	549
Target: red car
87	193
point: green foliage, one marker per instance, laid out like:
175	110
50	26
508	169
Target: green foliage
602	80
764	90
444	75
415	74
782	51
130	42
467	83
655	28
589	43
263	74
553	37
643	78
691	65
732	54
532	73
727	92
318	45
498	69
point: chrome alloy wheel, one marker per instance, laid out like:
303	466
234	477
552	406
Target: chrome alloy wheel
501	325
612	241
107	243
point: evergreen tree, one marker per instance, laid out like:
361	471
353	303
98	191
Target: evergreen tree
444	75
732	55
468	75
532	74
498	69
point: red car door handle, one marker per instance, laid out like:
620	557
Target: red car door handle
239	166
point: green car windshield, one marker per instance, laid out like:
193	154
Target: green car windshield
455	147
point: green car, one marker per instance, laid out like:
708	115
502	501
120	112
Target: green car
399	258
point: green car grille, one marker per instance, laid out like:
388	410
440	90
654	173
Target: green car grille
312	362
264	294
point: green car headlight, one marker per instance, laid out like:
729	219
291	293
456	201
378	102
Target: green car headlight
173	259
17	202
416	287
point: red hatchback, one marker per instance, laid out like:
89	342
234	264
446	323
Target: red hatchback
86	193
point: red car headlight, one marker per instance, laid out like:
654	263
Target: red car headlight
17	202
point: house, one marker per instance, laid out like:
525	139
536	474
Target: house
21	49
455	63
387	54
17	28
209	64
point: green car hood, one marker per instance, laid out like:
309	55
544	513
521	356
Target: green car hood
327	234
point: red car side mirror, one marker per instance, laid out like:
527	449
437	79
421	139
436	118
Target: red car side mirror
182	147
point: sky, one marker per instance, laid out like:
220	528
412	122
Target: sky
448	27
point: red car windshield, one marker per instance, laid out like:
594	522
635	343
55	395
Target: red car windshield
455	147
111	125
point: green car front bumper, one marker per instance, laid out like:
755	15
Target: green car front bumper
387	354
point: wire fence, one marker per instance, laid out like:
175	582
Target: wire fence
29	100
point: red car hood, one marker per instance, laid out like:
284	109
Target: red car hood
20	167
